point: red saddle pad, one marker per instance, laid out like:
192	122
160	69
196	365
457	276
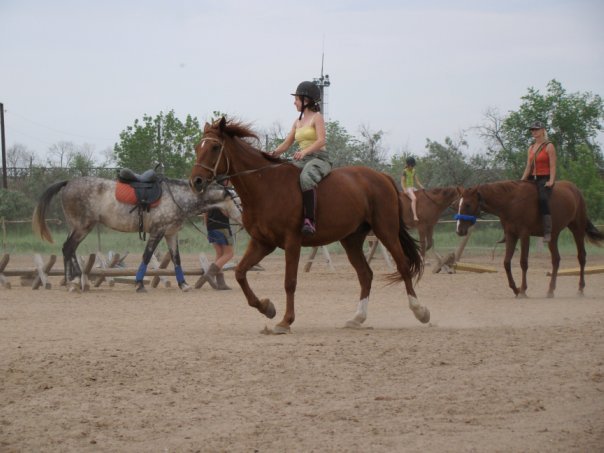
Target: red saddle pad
124	193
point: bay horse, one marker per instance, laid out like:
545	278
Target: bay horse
515	203
88	201
431	203
350	202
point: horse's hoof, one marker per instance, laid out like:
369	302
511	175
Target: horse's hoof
280	330
421	313
140	288
269	309
550	295
73	288
423	317
521	296
353	324
185	288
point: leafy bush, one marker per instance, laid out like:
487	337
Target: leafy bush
15	205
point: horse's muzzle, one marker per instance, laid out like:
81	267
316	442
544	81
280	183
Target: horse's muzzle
197	184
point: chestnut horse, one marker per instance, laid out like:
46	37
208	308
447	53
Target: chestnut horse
431	203
350	202
515	203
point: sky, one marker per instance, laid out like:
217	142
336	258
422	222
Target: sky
83	71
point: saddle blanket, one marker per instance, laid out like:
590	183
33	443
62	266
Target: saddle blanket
124	193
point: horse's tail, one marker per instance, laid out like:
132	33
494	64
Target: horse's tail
38	221
594	235
410	245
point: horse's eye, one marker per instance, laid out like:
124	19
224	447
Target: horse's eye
216	148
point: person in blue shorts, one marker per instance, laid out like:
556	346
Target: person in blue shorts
221	237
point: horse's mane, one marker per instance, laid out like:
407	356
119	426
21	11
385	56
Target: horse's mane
443	190
240	132
502	187
235	128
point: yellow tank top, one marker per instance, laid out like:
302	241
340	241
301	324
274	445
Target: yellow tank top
409	175
305	136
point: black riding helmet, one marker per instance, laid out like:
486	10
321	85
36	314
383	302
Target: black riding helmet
308	90
410	161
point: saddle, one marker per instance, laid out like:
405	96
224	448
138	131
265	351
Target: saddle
142	191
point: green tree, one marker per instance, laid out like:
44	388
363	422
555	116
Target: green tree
371	152
343	148
585	174
164	139
15	205
445	164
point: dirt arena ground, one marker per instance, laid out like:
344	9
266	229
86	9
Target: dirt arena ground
166	371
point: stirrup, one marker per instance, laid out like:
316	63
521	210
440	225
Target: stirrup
308	228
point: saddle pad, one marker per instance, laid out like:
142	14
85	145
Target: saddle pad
125	193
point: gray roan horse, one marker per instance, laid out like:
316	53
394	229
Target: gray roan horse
88	201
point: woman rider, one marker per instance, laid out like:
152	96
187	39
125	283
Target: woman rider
541	167
308	131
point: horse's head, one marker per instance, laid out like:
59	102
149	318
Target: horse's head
212	153
210	158
469	209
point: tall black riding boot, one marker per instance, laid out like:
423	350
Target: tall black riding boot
308	202
547	228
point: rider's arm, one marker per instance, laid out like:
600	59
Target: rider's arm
551	152
287	143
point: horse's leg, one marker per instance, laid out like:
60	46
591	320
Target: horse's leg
147	254
580	242
73	273
555	254
525	243
353	245
392	243
510	247
429	237
172	241
422	240
292	258
253	255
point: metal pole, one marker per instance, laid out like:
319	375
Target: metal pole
4	175
322	82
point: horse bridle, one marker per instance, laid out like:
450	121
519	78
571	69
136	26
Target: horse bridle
214	171
470	218
218	178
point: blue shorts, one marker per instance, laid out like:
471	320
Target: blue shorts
222	236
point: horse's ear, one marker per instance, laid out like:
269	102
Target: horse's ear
206	127
459	190
222	124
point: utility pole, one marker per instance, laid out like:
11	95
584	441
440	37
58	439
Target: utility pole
4	175
322	82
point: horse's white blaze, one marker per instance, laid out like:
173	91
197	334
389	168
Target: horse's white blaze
458	212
